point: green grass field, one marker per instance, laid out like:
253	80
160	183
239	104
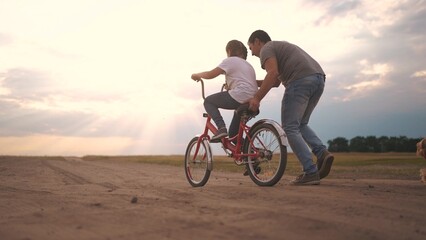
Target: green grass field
346	165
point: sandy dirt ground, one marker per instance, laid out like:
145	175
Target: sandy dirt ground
76	199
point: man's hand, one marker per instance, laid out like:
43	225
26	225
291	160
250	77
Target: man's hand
254	104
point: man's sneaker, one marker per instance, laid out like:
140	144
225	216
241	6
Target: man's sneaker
324	164
307	179
221	133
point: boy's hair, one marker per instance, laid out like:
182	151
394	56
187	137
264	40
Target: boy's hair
261	35
237	49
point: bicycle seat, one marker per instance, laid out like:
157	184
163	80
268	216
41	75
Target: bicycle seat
244	110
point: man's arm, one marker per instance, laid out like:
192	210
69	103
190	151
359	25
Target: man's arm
259	83
271	80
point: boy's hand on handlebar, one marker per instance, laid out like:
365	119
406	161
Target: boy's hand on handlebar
254	104
196	77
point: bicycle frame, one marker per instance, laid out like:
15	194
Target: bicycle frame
227	143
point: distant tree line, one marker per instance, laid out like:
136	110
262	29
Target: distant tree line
373	144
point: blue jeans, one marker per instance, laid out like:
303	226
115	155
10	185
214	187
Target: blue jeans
223	100
299	100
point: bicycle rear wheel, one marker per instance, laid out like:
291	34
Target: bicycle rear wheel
269	167
198	164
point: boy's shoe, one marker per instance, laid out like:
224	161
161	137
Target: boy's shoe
221	133
324	164
307	179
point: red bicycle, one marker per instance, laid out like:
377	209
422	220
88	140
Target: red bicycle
262	148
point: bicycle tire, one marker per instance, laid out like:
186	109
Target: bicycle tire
268	169
197	169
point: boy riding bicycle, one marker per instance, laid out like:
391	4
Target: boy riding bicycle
241	86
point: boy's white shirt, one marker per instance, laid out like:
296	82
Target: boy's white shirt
240	78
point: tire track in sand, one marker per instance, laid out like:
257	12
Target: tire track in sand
72	178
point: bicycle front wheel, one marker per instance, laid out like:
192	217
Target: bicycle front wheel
269	167
198	162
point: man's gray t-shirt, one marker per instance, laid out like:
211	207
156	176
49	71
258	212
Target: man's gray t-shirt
293	62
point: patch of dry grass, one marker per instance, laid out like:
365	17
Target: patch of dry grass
346	165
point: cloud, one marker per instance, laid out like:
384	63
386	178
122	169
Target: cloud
364	16
32	103
370	79
363	86
25	83
419	81
419	74
386	47
335	9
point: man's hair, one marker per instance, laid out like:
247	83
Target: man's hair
261	35
236	49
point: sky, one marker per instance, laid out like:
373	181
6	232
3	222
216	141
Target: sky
112	77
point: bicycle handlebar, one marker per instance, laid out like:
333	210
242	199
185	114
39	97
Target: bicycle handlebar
202	88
